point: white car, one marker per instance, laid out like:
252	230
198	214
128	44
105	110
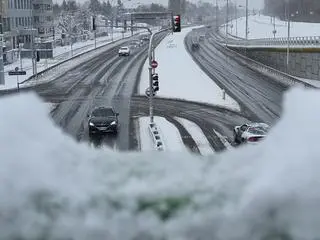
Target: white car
124	51
250	132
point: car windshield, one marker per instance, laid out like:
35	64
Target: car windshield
102	112
259	130
124	48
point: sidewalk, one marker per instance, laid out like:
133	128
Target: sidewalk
60	54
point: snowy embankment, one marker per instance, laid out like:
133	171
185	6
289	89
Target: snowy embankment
54	188
172	141
262	27
180	77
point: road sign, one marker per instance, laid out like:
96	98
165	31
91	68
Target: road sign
154	64
17	73
148	92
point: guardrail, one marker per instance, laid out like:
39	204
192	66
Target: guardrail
156	136
277	75
304	42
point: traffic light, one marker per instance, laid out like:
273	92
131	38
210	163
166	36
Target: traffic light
93	23
38	56
176	23
155	82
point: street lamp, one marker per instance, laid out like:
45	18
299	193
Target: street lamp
288	39
227	23
247	13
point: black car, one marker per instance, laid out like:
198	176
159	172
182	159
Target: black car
103	120
195	46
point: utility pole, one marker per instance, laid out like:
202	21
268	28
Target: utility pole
227	22
33	57
288	47
247	16
216	13
2	81
236	16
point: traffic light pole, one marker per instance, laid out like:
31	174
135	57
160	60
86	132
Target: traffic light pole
2	82
151	55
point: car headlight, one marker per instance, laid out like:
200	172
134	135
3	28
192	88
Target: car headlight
113	123
91	124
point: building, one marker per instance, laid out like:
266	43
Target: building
3	12
24	15
43	18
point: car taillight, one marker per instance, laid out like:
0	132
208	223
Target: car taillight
254	139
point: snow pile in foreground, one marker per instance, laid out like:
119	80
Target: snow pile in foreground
53	188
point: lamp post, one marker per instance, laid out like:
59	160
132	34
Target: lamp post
2	82
288	39
227	22
236	17
247	25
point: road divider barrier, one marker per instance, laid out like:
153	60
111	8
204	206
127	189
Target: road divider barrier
156	136
275	74
300	42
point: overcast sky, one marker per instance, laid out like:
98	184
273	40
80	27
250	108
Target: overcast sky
256	4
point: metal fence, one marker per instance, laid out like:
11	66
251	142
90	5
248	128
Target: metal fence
306	42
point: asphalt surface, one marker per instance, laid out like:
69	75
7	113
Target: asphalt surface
259	96
105	79
109	80
209	118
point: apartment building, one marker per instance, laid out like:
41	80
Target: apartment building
3	11
24	15
43	18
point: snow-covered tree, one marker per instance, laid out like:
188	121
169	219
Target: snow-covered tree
95	6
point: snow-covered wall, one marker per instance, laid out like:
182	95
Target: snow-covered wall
303	63
54	188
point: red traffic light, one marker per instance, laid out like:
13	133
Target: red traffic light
176	23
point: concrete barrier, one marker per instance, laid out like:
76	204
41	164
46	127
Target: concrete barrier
280	76
156	136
